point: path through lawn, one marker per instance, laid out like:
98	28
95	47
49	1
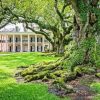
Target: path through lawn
10	90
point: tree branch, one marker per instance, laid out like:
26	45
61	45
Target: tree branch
69	29
7	22
39	32
57	10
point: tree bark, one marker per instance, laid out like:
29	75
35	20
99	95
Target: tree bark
85	22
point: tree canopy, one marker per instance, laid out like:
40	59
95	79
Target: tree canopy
54	18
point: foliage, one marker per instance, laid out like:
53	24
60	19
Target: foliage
76	54
97	75
36	12
83	9
97	53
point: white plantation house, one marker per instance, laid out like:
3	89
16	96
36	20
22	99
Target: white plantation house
14	38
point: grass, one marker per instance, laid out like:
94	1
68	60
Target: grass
10	89
26	92
23	59
96	88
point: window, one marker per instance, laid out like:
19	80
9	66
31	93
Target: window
10	39
25	39
39	39
17	48
46	47
32	48
16	39
39	48
32	39
10	49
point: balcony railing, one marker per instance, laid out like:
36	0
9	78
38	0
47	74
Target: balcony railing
2	41
32	40
24	40
17	41
10	41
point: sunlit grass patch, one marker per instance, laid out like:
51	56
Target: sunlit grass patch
24	59
27	92
10	90
96	87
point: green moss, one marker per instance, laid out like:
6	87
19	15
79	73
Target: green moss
88	70
52	76
97	75
84	70
78	70
59	80
36	76
70	76
45	79
58	73
28	71
28	78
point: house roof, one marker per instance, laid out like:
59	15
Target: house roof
18	33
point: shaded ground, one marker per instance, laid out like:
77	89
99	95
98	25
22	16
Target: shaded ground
81	86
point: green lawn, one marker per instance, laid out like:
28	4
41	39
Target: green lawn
96	87
13	60
10	90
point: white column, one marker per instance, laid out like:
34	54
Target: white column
13	42
42	43
1	42
6	39
28	43
35	42
7	43
21	43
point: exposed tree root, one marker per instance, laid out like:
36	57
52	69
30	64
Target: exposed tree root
55	73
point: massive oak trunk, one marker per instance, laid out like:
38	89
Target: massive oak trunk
85	23
58	44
